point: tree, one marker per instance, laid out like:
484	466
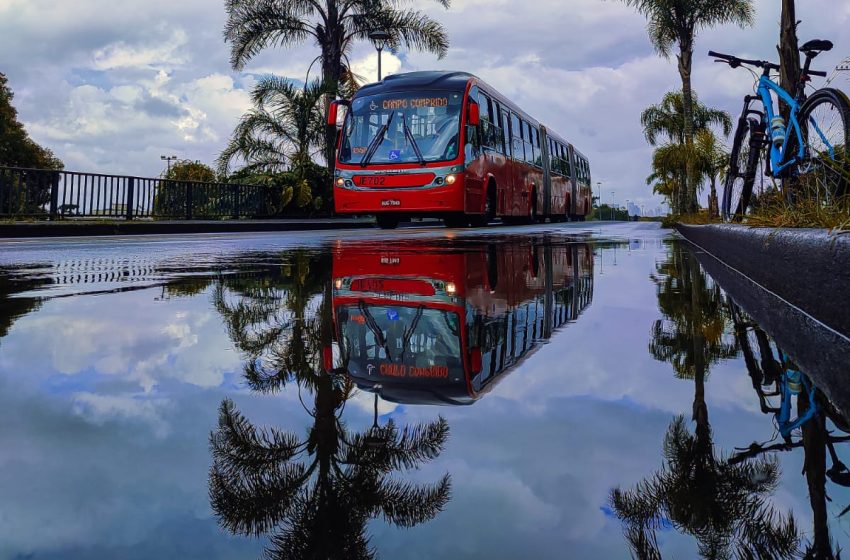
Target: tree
170	198
188	170
312	495
713	160
675	23
17	149
721	503
283	131
334	26
672	160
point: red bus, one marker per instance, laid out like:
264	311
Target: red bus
427	324
447	145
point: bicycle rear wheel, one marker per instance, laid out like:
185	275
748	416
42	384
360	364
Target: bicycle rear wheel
738	188
825	122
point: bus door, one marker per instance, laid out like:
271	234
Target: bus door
573	182
475	155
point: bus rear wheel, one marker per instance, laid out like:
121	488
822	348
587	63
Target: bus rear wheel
387	221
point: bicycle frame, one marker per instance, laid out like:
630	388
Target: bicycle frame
780	159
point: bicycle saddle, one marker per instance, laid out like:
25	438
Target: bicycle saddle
816	45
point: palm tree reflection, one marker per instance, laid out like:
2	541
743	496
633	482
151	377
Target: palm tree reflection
313	495
813	410
723	505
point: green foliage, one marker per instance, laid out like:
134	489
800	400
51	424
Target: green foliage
677	162
283	131
606	212
17	149
287	193
170	198
187	170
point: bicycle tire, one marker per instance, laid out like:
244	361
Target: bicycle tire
738	186
828	177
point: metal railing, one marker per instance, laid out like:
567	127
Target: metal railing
49	194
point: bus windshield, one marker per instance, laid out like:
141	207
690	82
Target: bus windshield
401	342
402	128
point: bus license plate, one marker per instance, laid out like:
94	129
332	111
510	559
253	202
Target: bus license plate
390	202
371	181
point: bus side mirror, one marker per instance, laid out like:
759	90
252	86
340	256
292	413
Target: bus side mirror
475	360
474	114
333	113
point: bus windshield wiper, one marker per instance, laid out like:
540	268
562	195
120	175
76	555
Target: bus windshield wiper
413	143
375	328
376	141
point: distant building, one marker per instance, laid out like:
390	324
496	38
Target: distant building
634	209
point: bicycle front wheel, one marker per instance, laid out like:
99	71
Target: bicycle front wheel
738	188
825	121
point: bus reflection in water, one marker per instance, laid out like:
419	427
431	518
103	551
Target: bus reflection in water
425	324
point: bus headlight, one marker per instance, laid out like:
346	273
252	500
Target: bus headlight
340	182
451	288
451	179
338	284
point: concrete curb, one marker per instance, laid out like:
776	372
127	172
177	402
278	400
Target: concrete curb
78	229
808	268
819	351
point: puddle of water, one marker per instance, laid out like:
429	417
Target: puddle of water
436	394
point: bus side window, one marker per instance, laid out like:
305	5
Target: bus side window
516	133
553	157
506	132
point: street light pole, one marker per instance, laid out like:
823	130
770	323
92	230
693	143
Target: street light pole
380	38
168	159
612	206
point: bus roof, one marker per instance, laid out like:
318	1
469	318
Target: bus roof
426	80
440	80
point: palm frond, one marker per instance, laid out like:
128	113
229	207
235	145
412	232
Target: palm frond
407	504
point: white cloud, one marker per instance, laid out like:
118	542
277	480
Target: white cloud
162	53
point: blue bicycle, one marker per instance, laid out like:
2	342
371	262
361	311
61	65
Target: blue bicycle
813	142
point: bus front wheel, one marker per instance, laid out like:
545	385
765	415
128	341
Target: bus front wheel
387	221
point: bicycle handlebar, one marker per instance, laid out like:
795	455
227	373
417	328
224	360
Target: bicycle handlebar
734	62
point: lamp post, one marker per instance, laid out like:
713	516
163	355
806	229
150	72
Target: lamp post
381	39
612	206
168	159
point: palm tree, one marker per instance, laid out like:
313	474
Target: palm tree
723	505
672	160
270	320
313	496
712	162
318	507
667	120
675	23
283	131
333	26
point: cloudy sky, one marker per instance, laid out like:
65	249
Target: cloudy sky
110	86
